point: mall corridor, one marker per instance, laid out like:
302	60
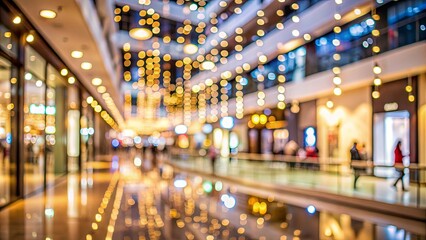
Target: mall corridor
213	119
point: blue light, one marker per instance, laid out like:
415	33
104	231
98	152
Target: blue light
9	138
244	81
228	200
115	143
311	209
227	122
323	41
271	76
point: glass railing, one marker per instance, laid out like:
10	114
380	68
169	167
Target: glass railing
330	175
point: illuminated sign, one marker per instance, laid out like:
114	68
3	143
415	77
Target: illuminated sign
393	106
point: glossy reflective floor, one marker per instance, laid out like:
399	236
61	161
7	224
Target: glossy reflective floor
124	197
371	188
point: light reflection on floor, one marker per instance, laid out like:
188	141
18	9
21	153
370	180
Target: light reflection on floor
125	199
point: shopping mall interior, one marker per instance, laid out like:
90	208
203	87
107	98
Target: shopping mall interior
213	119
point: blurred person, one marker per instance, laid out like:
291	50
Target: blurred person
212	156
291	149
398	160
354	152
362	151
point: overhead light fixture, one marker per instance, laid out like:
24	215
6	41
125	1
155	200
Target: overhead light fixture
30	38
140	33
190	48
71	80
86	65
64	71
49	14
17	20
101	89
207	65
96	81
76	54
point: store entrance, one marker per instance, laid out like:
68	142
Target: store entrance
389	127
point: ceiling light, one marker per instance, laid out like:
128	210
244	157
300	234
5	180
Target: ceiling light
64	72
50	14
29	38
17	20
76	54
71	80
101	89
140	33
190	48
96	81
207	65
86	65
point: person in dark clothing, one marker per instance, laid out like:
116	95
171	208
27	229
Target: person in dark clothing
398	157
355	156
354	152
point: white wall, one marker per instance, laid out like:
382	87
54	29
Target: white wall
352	111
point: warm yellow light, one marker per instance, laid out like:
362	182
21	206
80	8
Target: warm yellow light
307	37
190	48
281	105
101	89
96	81
29	38
76	54
71	80
263	119
64	71
207	65
377	81
86	65
377	69
375	94
196	88
140	33
408	88
17	20
411	98
337	91
263	59
255	118
89	100
329	104
337	80
336	70
50	14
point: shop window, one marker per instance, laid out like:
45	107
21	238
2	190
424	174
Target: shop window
55	127
34	120
7	164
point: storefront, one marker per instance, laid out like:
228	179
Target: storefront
341	120
395	119
34	103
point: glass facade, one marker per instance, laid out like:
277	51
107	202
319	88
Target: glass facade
7	165
34	120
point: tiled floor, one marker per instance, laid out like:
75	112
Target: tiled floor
114	199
